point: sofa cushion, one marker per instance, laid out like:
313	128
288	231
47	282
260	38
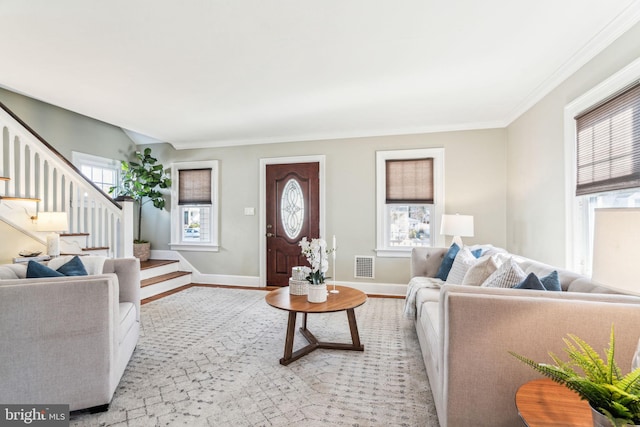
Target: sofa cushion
507	275
430	319
480	271
13	271
464	260
447	262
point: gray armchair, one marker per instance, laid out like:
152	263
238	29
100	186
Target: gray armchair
68	340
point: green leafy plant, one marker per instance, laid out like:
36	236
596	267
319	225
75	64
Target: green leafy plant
142	180
600	383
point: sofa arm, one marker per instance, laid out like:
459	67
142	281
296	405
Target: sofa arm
480	325
425	261
128	272
59	339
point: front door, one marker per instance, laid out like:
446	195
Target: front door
293	212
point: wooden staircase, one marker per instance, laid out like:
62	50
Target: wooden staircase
159	276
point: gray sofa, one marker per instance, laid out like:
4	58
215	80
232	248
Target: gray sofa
465	333
68	339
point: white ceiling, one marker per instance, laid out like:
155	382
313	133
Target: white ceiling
214	73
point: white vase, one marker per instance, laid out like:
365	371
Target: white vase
317	293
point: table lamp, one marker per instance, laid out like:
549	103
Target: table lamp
54	222
616	251
457	226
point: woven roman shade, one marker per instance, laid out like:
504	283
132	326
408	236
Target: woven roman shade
409	181
608	145
194	187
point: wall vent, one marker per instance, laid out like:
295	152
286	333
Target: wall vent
364	267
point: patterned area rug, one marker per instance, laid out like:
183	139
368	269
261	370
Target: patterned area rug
210	357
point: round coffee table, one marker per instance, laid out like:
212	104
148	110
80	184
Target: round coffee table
346	300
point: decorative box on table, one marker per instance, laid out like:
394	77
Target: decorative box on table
298	285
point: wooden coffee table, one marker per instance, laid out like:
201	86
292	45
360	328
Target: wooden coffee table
347	299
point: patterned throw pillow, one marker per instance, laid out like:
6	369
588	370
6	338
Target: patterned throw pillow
465	259
507	276
479	272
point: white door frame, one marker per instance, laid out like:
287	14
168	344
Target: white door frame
320	159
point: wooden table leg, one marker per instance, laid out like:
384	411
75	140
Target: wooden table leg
291	330
353	326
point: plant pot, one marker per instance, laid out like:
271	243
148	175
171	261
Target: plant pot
600	420
142	251
317	293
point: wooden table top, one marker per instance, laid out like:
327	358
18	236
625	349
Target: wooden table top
544	403
346	299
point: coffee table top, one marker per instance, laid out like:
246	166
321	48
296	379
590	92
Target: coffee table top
346	299
544	403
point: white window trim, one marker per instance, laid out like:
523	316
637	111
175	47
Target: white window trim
438	200
176	224
608	87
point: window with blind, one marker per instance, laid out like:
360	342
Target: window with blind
608	144
605	138
194	206
408	209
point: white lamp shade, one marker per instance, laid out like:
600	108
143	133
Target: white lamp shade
457	225
616	249
52	221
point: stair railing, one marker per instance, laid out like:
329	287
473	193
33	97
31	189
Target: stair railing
36	170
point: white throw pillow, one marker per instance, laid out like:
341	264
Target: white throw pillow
463	261
479	272
507	276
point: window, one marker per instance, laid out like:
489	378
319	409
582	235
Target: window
410	199
194	206
103	172
603	133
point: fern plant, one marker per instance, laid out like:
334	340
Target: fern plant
600	382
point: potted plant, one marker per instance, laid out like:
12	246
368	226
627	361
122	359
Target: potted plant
142	180
614	399
317	255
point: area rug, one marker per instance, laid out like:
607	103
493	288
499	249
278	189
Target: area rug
210	357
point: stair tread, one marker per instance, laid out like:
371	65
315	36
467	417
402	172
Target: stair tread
95	248
73	234
4	178
156	263
163	277
32	199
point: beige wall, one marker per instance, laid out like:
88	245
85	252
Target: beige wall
14	241
475	184
67	131
536	171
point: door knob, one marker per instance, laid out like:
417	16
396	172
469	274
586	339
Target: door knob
270	234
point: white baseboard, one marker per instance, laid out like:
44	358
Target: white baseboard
392	289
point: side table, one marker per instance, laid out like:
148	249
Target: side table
545	403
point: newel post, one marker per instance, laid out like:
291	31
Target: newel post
125	244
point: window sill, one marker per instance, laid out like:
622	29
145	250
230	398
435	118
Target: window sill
404	252
199	247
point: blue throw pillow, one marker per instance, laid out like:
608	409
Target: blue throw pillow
531	282
551	282
74	267
36	270
476	253
447	262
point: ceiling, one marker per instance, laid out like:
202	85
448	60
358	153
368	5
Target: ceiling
216	73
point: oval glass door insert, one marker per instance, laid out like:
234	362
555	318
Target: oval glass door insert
292	208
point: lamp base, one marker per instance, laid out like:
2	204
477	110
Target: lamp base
53	244
457	240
